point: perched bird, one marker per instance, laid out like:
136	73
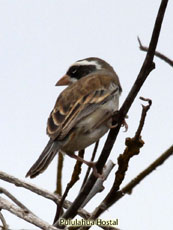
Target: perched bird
83	111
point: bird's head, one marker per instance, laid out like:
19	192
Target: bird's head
82	68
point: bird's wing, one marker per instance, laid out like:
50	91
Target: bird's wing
78	101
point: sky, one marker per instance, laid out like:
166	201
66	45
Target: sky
39	40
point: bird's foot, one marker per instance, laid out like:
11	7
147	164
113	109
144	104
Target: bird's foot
95	171
89	163
124	124
112	126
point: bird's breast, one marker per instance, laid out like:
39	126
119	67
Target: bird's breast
91	128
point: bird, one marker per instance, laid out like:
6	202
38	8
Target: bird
83	111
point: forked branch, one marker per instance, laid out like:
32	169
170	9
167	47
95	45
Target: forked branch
157	54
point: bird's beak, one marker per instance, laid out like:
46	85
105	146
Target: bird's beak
65	80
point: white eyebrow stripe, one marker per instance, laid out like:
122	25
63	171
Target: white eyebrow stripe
85	62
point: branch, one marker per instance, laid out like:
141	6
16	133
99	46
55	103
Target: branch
157	54
21	183
92	159
4	223
98	187
133	146
74	178
158	162
143	116
144	72
131	185
29	217
59	174
42	192
16	201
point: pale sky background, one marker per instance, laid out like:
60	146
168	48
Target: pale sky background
38	41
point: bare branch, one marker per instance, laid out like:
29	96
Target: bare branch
92	159
130	186
42	192
144	72
29	217
73	180
159	161
4	223
133	146
59	174
143	116
98	187
21	183
14	199
157	54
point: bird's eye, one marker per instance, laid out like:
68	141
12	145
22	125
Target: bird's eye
73	71
78	71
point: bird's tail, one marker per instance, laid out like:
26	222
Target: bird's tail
44	159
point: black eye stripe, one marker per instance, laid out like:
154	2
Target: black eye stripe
72	70
79	71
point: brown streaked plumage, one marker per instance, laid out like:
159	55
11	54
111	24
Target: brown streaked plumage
81	96
82	112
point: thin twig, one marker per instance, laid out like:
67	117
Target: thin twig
29	217
147	67
133	146
157	54
4	223
73	180
59	174
14	199
159	161
21	183
92	159
131	185
98	187
39	191
59	208
143	116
